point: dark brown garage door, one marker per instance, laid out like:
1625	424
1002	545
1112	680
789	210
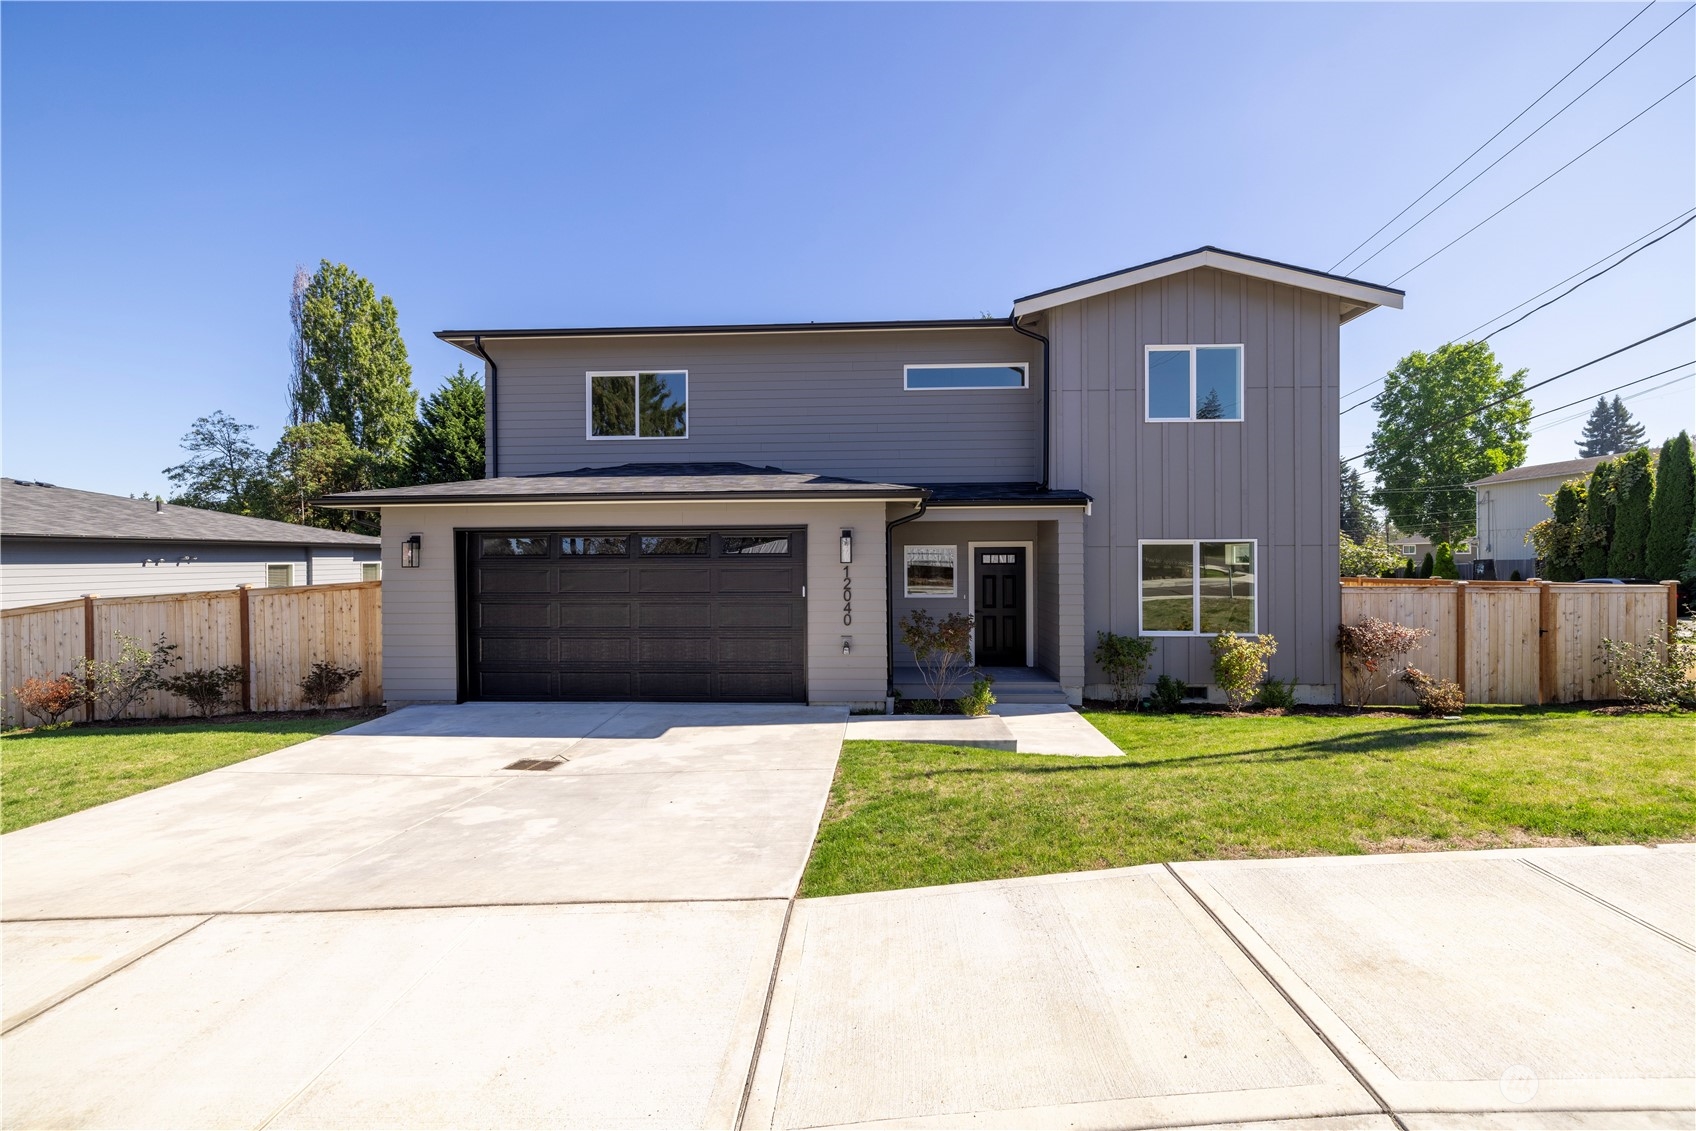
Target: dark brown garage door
636	614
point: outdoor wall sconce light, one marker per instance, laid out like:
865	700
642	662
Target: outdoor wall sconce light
846	641
847	547
412	551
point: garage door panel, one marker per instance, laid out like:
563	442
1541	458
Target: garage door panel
641	620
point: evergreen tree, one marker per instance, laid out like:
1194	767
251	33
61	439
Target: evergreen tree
353	369
1426	566
1633	490
447	445
1563	549
1358	521
1598	521
1672	512
1610	430
1444	564
1210	407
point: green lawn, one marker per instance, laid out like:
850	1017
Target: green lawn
1194	787
46	774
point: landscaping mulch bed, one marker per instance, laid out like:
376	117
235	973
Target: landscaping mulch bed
348	714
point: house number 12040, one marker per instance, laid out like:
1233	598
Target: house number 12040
847	597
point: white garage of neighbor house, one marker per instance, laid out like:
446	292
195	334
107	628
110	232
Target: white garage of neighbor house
57	544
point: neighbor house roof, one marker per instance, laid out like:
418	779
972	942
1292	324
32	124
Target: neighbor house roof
634	481
41	510
1357	296
1563	470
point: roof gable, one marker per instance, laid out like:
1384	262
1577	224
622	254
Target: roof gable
1357	296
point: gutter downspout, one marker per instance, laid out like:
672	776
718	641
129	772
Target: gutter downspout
1013	321
491	459
889	592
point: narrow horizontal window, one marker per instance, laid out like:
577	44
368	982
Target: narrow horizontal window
1197	588
672	545
575	545
503	546
638	405
756	544
967	376
1194	383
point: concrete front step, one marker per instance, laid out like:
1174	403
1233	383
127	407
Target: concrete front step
1011	685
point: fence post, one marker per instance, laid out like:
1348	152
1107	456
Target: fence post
246	636
88	655
1460	635
1546	667
1672	610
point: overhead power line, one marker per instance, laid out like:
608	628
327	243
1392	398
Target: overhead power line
1491	138
1544	181
1510	150
1493	402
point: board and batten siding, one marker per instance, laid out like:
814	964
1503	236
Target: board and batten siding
420	619
1271	477
38	571
831	403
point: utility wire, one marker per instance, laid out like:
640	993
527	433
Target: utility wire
1543	182
1364	385
1509	151
1491	138
1538	384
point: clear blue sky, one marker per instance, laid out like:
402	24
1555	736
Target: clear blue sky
166	167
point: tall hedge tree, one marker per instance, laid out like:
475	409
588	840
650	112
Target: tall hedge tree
1560	538
1672	512
1598	521
353	369
447	445
1634	486
1445	418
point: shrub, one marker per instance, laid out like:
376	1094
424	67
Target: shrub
118	685
1435	696
1125	660
1168	694
1365	559
1277	694
1560	539
1239	666
938	646
206	688
1634	487
1444	565
1369	648
1654	674
1515	576
49	699
979	699
1598	524
326	681
1426	566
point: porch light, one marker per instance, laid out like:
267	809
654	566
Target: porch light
847	547
412	551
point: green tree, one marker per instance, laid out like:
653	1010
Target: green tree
1672	512
1366	559
224	471
1610	430
353	368
1445	418
1634	480
1598	521
1559	539
447	445
316	459
1358	521
1427	566
1444	565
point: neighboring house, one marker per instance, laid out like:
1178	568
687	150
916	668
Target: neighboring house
1414	547
57	543
1510	504
744	512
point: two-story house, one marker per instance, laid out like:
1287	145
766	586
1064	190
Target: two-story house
745	512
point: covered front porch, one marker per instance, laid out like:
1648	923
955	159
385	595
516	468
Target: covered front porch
1011	557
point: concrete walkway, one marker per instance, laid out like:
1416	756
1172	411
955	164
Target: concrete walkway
388	928
1028	728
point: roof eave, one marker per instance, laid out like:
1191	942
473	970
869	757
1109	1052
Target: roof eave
343	502
464	338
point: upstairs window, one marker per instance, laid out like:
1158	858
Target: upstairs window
639	406
967	375
1195	383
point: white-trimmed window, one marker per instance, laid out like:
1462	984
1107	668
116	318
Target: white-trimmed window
279	576
370	571
931	571
966	375
1193	383
637	404
1198	588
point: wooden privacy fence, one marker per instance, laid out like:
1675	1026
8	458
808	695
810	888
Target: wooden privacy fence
1513	641
274	635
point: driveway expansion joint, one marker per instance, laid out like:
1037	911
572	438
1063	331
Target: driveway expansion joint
1618	910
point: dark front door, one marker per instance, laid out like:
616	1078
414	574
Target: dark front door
1000	589
636	614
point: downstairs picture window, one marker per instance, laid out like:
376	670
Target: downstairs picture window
1197	588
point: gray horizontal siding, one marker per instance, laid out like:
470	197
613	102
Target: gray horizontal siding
828	403
35	573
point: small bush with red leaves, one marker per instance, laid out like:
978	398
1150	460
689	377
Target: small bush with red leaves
1370	648
49	699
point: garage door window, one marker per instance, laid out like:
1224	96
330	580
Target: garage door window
673	545
756	544
503	547
576	545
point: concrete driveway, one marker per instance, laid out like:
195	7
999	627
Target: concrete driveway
387	927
